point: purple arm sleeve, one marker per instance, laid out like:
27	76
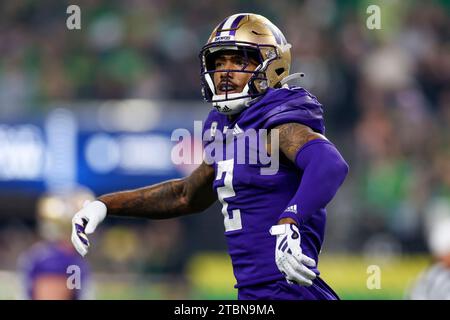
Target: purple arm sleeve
324	170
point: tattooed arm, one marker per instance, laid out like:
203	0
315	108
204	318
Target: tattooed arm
165	200
292	136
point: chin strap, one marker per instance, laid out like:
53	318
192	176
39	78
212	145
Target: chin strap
291	77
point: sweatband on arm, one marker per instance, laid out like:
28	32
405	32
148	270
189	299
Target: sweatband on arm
324	170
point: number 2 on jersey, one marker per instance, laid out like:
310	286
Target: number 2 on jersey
232	220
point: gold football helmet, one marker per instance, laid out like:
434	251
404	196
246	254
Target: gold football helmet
254	36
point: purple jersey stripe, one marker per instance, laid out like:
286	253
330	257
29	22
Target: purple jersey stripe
235	24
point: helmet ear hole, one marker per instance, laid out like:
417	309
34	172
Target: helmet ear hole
279	71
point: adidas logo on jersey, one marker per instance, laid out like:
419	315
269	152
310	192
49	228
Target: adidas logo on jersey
237	130
292	208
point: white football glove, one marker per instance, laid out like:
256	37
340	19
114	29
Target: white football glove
289	258
84	222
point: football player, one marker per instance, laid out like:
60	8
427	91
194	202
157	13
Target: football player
274	224
51	269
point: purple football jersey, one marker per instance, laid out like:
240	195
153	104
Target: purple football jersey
252	201
53	259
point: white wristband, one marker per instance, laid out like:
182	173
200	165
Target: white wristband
100	208
278	229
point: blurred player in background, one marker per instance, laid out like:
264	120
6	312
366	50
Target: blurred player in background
434	282
274	223
45	266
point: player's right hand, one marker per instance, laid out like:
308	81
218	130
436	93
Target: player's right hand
290	260
84	222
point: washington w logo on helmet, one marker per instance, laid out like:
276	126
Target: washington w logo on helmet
258	41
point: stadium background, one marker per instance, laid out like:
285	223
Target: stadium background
97	106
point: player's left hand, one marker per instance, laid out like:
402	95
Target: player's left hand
289	257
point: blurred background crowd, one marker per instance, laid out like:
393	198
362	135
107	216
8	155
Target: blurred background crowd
386	97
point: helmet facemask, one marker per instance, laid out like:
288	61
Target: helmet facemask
232	103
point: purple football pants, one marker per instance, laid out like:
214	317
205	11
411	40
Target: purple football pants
281	290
